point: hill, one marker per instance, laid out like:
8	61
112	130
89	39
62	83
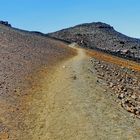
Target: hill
23	51
21	54
102	37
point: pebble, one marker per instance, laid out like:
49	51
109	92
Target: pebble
134	97
111	85
105	90
64	67
74	77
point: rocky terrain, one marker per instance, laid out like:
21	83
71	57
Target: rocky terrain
21	54
103	37
70	104
44	81
124	83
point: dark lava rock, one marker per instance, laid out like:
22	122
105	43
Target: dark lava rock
5	23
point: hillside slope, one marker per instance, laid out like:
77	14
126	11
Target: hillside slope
101	36
21	54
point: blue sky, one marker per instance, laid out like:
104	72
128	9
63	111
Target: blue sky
52	15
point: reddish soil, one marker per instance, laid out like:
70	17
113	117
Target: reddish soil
114	60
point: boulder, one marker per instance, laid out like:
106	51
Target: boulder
5	23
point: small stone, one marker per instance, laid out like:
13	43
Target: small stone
125	90
105	90
120	103
137	112
15	90
64	67
121	96
134	97
132	115
74	77
91	60
111	85
97	81
130	109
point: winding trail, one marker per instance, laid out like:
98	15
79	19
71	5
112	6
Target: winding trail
71	105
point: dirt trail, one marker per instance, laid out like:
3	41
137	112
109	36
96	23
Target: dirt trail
71	105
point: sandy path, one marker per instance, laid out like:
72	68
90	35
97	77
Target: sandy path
71	105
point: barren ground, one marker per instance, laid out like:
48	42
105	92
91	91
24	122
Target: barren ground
69	104
48	92
22	54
